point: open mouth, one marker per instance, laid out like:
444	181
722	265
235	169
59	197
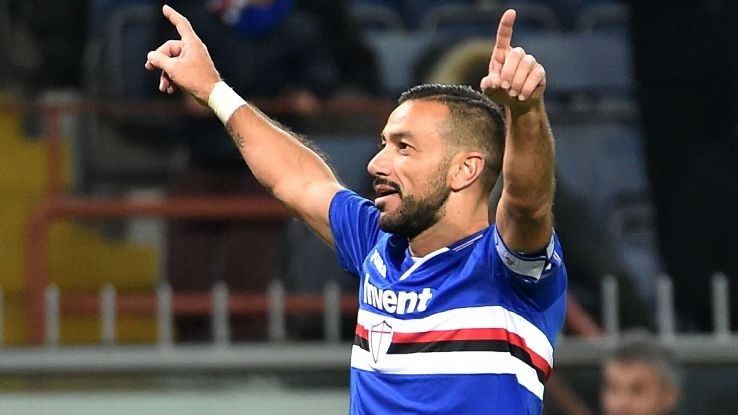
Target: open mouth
383	190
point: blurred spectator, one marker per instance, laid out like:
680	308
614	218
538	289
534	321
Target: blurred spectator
20	55
58	29
35	55
357	67
687	70
639	378
264	49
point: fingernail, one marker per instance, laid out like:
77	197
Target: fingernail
495	83
505	84
513	93
521	97
161	85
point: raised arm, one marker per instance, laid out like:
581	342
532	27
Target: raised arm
517	82
279	160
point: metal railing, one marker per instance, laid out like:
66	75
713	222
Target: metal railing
718	346
276	305
57	205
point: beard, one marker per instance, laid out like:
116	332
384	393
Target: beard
415	215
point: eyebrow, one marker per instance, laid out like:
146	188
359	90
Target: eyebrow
397	136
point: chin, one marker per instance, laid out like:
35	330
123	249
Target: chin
388	203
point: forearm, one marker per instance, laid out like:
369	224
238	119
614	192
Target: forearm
517	82
276	157
528	165
528	172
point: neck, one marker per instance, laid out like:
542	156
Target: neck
457	223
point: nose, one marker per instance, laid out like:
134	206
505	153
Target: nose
379	165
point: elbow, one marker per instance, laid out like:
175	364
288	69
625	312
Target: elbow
286	193
298	195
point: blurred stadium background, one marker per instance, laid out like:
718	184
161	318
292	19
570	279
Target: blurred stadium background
92	318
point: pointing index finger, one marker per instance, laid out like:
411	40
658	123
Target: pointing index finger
504	36
180	22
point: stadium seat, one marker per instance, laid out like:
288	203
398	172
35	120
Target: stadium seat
129	31
596	67
374	17
458	20
601	161
416	11
604	18
124	149
397	54
566	11
461	21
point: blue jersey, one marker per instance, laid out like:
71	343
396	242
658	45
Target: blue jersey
467	329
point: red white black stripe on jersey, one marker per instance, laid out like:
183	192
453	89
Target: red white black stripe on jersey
460	341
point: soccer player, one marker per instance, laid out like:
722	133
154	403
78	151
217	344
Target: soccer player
455	316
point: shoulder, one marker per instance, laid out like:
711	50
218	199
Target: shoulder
349	197
347	205
354	223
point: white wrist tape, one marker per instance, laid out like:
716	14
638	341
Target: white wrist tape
224	101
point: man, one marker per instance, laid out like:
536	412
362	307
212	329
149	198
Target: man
639	378
455	316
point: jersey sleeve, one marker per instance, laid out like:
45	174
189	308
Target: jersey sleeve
539	276
354	223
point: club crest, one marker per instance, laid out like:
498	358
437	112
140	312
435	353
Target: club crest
380	338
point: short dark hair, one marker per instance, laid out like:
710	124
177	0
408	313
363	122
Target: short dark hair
476	122
641	347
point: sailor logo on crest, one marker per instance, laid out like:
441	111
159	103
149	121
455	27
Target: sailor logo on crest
380	338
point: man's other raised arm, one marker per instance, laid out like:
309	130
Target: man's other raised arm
285	166
517	82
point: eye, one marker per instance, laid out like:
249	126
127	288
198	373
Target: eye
403	146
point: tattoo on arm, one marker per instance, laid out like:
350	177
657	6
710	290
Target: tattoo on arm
237	139
240	141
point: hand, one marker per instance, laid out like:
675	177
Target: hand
184	63
515	79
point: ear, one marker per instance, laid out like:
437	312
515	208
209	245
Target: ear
465	170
